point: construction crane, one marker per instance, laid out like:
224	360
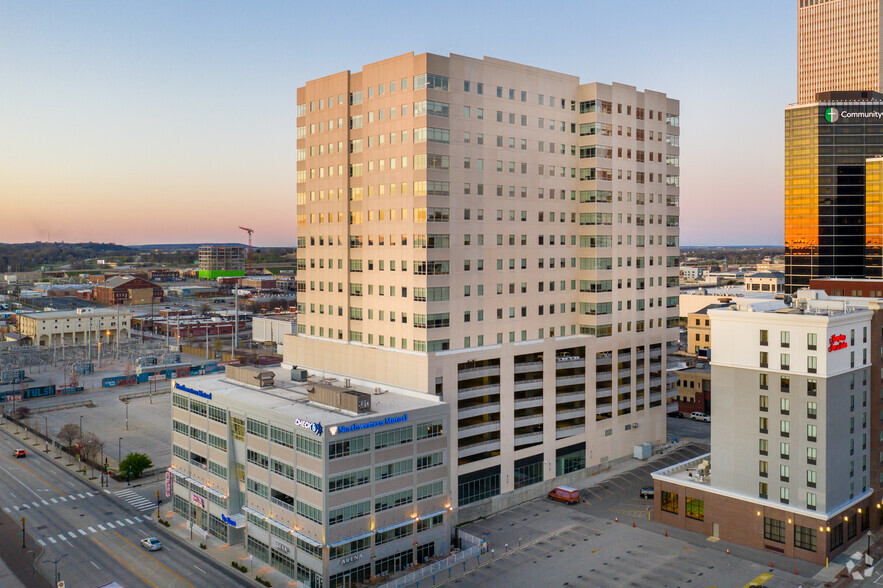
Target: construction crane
250	233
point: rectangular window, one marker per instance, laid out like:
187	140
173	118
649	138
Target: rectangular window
347	447
429	430
309	479
774	530
392	470
309	447
695	508
393	437
308	511
257	428
669	502
349	512
805	538
393	500
349	480
431	460
429	490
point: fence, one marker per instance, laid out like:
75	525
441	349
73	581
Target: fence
38	409
478	547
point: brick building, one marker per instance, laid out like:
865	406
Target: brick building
694	389
127	290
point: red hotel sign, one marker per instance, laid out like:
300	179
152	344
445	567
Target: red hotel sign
836	342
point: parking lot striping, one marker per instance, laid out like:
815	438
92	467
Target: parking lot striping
759	581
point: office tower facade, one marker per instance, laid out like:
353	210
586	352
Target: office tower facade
501	236
832	221
838	46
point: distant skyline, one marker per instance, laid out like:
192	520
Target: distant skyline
174	122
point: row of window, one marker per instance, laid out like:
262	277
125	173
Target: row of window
812	339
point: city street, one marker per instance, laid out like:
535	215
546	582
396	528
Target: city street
94	538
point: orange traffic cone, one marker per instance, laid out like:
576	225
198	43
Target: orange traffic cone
633	525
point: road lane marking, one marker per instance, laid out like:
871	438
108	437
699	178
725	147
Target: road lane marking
145	534
41	542
72	534
53	501
137	518
122	562
110	525
92	529
44	503
102	527
71	497
81	496
156	560
51	540
199	568
62	537
129	521
32	473
89	494
62	498
94	564
81	532
120	523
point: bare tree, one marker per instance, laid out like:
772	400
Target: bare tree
92	446
69	433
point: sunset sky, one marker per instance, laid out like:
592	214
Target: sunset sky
174	121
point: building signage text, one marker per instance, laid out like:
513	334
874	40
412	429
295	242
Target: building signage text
228	520
198	500
836	342
314	427
189	390
281	546
351	559
369	425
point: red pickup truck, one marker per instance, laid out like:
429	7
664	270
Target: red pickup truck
565	494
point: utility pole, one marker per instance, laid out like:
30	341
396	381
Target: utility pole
236	324
22	532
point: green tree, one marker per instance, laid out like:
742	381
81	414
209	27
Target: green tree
135	463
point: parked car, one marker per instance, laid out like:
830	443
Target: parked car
19	453
700	416
565	494
151	544
676	414
647	492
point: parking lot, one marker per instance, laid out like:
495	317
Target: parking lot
611	540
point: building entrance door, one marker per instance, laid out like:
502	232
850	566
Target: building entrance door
715	530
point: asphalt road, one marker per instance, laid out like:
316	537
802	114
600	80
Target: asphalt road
689	429
96	533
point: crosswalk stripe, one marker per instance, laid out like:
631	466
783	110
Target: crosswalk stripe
16	508
53	501
137	518
120	523
62	498
44	503
52	539
71	497
36	503
72	534
89	494
62	537
81	496
6	509
102	527
41	542
81	531
110	525
130	521
150	507
92	529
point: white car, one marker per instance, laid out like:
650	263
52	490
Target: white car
700	416
151	544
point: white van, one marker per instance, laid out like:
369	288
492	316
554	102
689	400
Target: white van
700	416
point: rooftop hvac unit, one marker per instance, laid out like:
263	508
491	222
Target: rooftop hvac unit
298	375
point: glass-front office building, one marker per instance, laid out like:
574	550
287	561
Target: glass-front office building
832	220
328	484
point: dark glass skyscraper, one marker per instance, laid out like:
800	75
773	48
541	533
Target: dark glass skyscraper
831	227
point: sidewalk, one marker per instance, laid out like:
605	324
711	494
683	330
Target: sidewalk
224	554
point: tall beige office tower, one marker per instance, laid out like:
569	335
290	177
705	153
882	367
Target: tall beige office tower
838	47
499	235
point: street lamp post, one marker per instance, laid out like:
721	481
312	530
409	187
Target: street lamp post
120	450
45	418
55	561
